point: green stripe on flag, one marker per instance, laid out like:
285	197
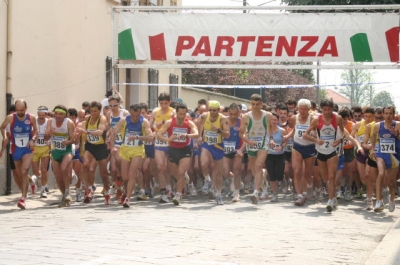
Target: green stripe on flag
360	47
126	48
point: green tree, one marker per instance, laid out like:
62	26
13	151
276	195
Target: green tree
383	99
359	93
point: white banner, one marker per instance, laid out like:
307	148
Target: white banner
325	37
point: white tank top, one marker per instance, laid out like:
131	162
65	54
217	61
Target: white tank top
300	130
60	134
327	133
41	130
257	130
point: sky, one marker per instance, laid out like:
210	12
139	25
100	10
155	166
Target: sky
327	77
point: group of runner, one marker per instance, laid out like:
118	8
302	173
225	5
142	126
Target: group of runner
171	150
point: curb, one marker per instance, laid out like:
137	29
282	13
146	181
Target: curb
388	250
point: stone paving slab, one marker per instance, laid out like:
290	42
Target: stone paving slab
196	232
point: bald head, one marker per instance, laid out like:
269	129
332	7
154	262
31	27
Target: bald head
202	109
81	115
20	107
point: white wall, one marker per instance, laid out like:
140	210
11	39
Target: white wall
59	50
3	73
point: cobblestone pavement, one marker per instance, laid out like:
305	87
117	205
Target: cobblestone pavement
195	232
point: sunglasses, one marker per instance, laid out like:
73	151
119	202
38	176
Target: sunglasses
114	105
213	110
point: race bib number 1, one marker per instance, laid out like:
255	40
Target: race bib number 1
21	139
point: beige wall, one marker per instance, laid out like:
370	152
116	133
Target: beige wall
191	95
59	50
3	73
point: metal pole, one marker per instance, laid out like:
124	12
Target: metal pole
318	87
113	46
244	5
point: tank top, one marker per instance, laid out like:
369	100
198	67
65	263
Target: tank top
361	131
94	139
346	143
113	123
387	140
301	129
211	137
257	131
160	117
60	134
131	129
175	129
278	140
20	131
41	131
233	142
328	134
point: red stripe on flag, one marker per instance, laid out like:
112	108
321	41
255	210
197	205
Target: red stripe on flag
392	40
157	47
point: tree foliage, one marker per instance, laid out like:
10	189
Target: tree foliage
359	93
252	77
383	99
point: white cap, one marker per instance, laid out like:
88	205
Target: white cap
244	108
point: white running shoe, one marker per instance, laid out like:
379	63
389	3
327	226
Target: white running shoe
264	195
385	194
236	196
391	206
379	206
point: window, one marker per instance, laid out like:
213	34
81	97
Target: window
174	2
173	90
109	73
153	89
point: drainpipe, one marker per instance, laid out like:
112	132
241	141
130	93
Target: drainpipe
8	93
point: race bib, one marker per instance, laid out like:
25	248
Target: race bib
57	142
93	139
258	143
21	139
161	143
118	138
289	148
178	132
387	145
229	147
361	138
211	137
131	143
40	140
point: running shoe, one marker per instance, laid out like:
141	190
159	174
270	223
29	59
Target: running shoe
254	198
300	201
369	205
33	184
74	179
310	193
335	202
206	187
88	196
264	195
107	198
43	193
21	204
170	194
141	196
163	199
118	194
284	186
236	196
385	194
391	206
177	199
339	195
219	200
329	206
211	194
68	199
122	199
125	204
274	198
79	197
318	194
347	195
379	206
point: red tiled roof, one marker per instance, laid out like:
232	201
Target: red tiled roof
336	97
